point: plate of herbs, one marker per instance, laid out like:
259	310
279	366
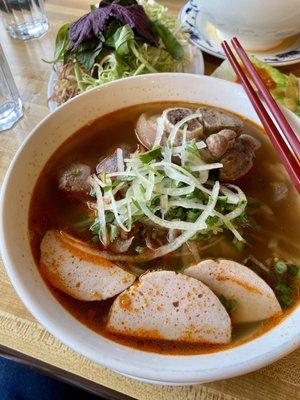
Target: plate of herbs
118	39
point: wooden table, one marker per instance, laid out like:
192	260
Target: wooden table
22	337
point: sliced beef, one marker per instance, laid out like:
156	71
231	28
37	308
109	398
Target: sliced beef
215	120
147	125
109	163
235	152
74	178
175	115
219	143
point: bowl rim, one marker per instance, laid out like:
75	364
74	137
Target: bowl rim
286	343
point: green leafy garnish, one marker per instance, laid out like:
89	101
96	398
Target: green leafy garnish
294	270
286	301
229	304
280	267
238	244
114	232
192	215
150	155
61	43
171	43
115	40
283	289
121	40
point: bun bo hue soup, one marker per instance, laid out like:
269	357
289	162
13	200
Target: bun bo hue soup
170	228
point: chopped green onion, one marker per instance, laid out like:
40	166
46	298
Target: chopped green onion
150	155
283	289
286	301
280	267
294	270
238	244
229	304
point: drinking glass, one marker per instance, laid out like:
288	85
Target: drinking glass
10	102
24	19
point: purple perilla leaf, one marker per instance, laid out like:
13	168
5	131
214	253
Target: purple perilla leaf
94	23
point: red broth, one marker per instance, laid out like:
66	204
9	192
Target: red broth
279	221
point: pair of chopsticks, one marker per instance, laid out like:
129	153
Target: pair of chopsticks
285	140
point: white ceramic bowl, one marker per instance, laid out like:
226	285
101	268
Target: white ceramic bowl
259	24
18	186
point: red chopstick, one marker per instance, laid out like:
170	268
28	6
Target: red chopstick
289	133
288	157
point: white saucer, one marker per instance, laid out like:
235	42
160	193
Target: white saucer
204	35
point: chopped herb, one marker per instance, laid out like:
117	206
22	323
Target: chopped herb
84	223
294	270
212	220
285	301
126	178
95	239
252	223
255	204
176	213
221	203
93	192
153	234
238	244
109	217
198	195
75	172
150	155
139	249
229	304
283	289
116	182
114	232
171	43
192	215
106	188
280	267
95	227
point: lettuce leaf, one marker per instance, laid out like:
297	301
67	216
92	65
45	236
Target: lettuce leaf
284	88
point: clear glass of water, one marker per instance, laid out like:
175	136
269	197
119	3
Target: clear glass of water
10	102
24	19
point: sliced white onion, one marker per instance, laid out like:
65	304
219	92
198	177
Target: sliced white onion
179	124
159	131
100	209
124	173
206	167
194	250
174	191
114	209
181	225
120	161
201	145
178	173
168	248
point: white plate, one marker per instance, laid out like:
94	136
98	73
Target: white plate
196	66
23	273
204	35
